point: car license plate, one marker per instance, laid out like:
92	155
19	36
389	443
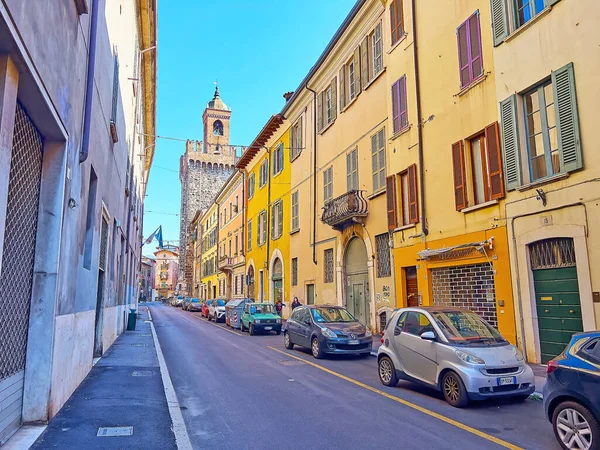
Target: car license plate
353	342
504	381
268	328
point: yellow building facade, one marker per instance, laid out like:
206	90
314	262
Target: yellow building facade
210	235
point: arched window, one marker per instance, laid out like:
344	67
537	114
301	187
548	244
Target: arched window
218	128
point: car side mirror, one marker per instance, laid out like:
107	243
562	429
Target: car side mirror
428	336
397	331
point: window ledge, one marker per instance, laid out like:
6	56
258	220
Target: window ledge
479	206
327	127
296	156
401	132
405	227
474	83
373	80
297	230
533	20
553	178
376	194
349	103
393	47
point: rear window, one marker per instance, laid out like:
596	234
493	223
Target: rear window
220	302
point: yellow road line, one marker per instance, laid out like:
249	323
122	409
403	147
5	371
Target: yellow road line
215	325
457	424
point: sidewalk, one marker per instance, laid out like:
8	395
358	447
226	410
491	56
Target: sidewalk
124	389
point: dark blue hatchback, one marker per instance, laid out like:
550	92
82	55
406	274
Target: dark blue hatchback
572	393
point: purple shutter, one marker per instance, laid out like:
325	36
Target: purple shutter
395	107
470	59
402	102
463	55
475	46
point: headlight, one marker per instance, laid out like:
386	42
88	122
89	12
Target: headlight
519	355
278	321
328	333
467	357
368	334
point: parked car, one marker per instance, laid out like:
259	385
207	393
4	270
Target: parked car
260	317
205	307
327	329
572	393
193	304
178	301
454	351
216	310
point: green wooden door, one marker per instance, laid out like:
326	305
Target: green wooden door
558	308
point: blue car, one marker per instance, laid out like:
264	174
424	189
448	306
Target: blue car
572	393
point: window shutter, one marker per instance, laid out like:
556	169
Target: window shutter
499	21
299	137
273	213
293	140
494	155
349	171
392	213
115	95
402	103
463	55
413	208
342	88
395	107
357	69
394	21
458	168
364	61
280	154
320	111
476	58
550	2
510	143
280	224
334	98
567	119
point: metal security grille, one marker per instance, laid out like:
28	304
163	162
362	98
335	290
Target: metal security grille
382	246
19	243
552	253
328	266
103	244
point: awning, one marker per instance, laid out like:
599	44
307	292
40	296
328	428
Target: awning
457	251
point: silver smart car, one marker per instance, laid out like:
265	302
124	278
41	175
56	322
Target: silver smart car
454	351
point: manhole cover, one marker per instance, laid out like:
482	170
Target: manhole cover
114	431
142	373
290	362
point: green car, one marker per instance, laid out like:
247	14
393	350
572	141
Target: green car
260	317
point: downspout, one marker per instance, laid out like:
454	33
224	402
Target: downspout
425	230
314	243
89	89
266	266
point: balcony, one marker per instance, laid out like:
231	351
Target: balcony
228	263
345	210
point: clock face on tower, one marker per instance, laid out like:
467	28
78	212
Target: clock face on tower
218	128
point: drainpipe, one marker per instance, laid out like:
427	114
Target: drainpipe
89	89
314	245
266	266
425	230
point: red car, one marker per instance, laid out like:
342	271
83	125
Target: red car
205	306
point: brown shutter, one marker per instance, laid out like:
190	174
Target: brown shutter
393	21
342	88
413	208
458	167
392	212
494	155
357	69
364	61
320	102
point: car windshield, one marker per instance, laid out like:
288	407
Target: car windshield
466	328
195	300
220	302
262	309
326	315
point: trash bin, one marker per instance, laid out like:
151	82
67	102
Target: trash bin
233	311
131	320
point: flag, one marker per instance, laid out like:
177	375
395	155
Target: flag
158	234
159	237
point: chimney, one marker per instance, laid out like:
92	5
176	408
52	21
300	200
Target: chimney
288	95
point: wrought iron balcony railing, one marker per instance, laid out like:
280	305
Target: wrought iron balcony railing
346	209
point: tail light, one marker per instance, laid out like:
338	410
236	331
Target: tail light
552	366
382	333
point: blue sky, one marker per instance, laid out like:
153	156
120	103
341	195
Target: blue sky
256	49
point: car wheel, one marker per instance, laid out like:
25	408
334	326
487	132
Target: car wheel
575	427
316	349
287	341
252	332
241	326
454	390
387	372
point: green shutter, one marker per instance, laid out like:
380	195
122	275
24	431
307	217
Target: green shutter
364	61
349	171
499	21
567	119
334	99
510	143
342	88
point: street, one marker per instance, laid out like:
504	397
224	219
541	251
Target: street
240	391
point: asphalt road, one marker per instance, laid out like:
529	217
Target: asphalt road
248	392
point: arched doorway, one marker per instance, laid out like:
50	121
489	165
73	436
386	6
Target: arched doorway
277	279
250	282
356	280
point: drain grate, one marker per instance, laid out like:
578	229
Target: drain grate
138	345
114	431
142	373
290	362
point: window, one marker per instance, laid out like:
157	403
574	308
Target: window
296	139
294	271
522	12
352	170
328	183
251	182
378	159
376	51
384	267
218	128
351	81
264	173
236	245
525	10
399	105
328	265
416	323
408	209
329	104
404	197
277	220
115	99
262	228
397	20
295	211
551	130
326	105
277	159
469	50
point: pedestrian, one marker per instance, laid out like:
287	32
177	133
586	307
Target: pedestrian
295	303
279	306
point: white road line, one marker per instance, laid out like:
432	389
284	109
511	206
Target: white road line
181	435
